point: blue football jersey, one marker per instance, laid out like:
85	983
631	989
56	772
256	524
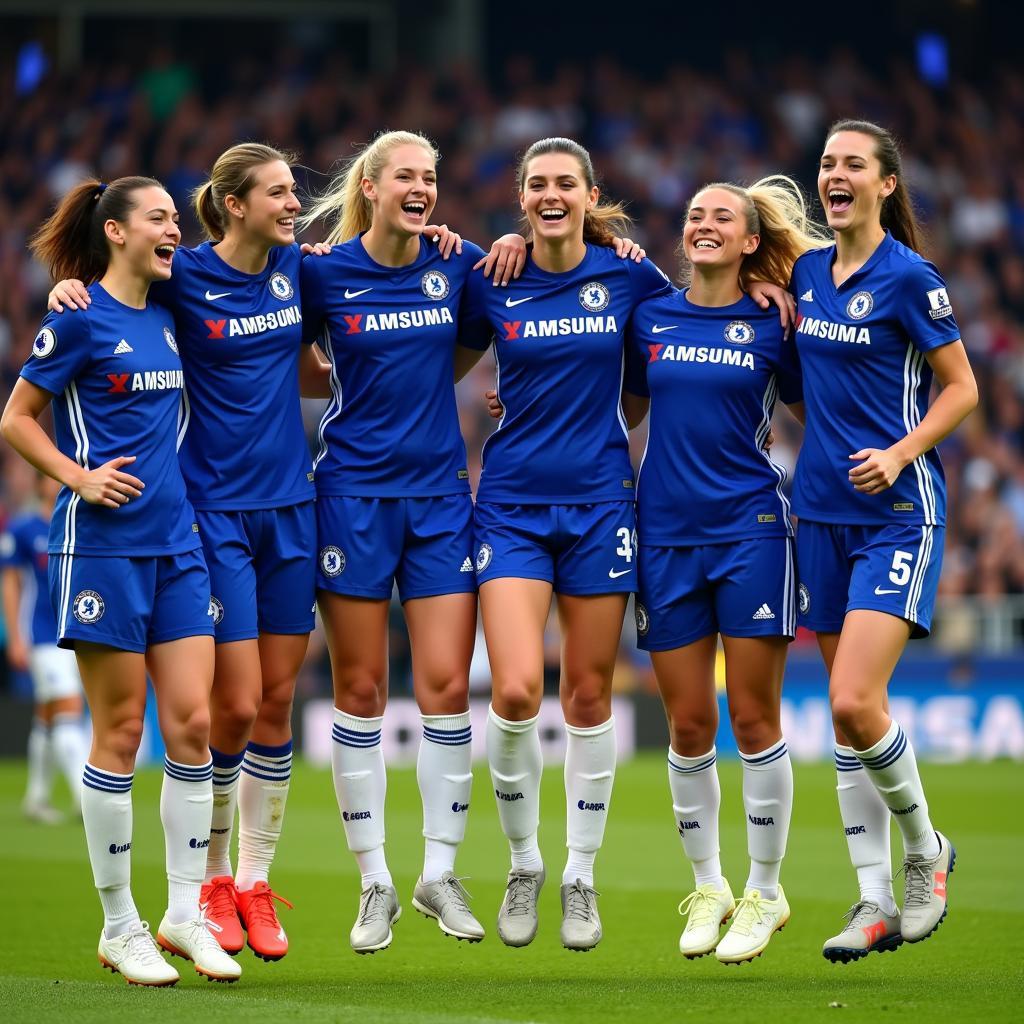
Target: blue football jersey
713	375
558	346
866	381
391	429
240	336
116	379
23	547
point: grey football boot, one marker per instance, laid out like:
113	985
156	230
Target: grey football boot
581	923
448	903
378	911
517	918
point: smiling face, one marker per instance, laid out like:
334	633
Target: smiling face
268	209
405	194
851	185
555	197
716	234
149	236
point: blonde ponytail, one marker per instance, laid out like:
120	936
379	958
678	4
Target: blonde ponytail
343	207
775	209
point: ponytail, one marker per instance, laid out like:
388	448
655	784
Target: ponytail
233	174
897	217
776	211
606	220
344	207
72	242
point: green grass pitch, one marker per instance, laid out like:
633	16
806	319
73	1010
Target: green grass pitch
971	969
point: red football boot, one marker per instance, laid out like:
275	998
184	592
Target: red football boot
220	899
259	917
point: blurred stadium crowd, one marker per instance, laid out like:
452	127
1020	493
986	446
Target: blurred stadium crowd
654	142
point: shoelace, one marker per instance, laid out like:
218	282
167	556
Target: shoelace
860	909
222	900
455	891
918	886
139	943
700	906
522	891
578	903
202	929
261	908
374	904
748	913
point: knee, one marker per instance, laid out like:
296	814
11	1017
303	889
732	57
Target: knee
516	700
853	717
235	717
121	739
360	693
276	707
189	731
587	700
692	735
449	696
754	727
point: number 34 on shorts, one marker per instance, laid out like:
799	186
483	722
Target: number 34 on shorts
891	568
578	549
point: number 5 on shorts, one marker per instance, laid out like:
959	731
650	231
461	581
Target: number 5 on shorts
900	571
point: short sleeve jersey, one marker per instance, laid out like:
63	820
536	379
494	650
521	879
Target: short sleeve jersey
558	346
116	379
23	547
866	381
392	426
713	375
240	336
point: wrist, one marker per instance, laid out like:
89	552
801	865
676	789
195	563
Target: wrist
902	456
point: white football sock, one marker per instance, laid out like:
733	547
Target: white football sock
444	771
67	743
107	816
262	797
40	764
186	807
866	824
768	802
589	775
892	769
696	799
226	770
516	763
360	784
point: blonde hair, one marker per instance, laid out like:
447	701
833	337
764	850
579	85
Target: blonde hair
343	206
775	209
606	220
233	174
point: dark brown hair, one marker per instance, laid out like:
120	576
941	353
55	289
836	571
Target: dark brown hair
897	210
605	220
72	242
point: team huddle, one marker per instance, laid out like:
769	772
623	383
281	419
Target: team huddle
193	538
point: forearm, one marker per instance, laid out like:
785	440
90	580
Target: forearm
34	445
953	404
11	586
314	375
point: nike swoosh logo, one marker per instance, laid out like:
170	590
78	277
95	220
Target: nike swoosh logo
220	295
613	575
658	330
516	302
355	295
880	592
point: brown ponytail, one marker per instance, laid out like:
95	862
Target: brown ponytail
897	216
72	242
606	220
233	174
